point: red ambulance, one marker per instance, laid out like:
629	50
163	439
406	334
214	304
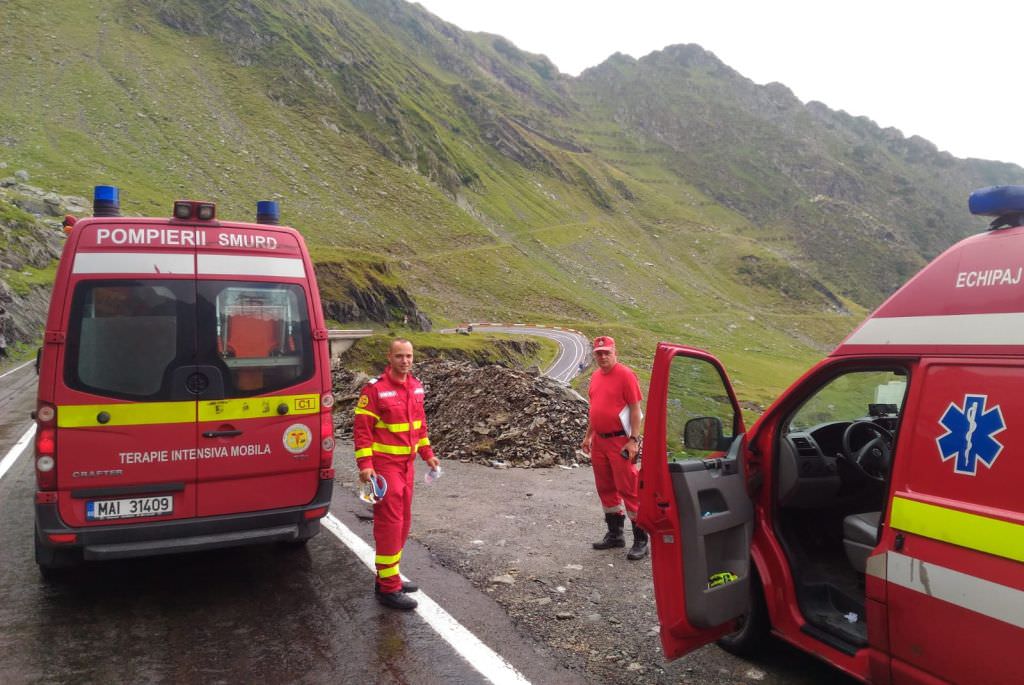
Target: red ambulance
184	388
873	516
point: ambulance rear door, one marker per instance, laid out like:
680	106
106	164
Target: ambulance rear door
125	373
693	499
259	434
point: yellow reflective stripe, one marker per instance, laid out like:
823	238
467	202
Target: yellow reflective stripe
258	407
985	534
388	572
397	427
391	449
366	413
365	452
387	560
423	442
127	414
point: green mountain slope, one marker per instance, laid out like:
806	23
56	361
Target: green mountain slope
665	198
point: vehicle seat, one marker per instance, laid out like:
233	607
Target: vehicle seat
860	535
253	336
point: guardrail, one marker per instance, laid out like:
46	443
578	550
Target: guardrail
341	339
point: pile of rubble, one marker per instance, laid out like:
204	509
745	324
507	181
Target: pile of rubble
490	414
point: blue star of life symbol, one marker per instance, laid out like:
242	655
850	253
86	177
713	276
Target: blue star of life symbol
970	434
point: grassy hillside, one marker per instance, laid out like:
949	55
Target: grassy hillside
666	198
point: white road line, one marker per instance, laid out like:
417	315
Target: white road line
19	366
19	447
481	657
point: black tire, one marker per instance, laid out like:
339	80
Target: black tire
56	564
752	636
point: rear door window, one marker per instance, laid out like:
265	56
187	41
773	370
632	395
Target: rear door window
258	333
125	337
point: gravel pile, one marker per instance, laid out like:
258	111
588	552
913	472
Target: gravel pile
492	414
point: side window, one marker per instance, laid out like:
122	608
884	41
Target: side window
259	332
699	417
852	396
124	336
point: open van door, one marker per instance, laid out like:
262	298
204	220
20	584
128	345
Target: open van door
693	499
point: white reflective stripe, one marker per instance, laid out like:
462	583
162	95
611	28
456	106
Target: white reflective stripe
247	265
981	596
876	566
134	263
958	329
487	662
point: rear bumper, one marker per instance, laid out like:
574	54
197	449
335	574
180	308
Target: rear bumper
184	535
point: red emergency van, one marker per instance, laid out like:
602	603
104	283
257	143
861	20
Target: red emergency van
184	388
873	515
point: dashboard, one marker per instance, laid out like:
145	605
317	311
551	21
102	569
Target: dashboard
812	469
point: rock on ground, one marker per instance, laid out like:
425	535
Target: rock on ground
489	414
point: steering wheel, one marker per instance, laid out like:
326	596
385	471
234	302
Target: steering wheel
875	455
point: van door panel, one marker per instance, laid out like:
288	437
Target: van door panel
693	500
258	428
124	421
715	512
954	543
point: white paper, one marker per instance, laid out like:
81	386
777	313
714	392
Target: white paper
624	419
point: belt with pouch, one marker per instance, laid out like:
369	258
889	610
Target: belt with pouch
611	435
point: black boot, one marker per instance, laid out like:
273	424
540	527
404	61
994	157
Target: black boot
407	586
640	544
395	600
614	537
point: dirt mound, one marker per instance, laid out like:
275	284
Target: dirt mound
489	414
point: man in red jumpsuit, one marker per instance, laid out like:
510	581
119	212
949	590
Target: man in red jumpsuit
390	430
614	430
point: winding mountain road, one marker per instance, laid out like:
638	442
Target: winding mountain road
573	346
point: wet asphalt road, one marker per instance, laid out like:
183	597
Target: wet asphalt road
573	347
273	613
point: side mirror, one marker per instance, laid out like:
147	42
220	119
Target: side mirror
703	433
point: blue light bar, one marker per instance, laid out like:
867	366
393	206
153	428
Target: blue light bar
267	212
997	201
106	201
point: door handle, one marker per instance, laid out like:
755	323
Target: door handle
221	434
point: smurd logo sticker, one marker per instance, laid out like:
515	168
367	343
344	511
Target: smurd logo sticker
970	434
297	438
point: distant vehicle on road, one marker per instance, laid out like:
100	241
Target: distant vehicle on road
184	388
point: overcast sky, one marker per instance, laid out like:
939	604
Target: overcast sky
935	69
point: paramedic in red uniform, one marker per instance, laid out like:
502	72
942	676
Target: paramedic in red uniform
390	430
614	389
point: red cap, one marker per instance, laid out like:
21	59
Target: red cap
603	342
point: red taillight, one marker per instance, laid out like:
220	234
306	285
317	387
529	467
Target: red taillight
46	441
46	498
46	447
326	439
317	513
62	538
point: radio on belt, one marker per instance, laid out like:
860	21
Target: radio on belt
184	395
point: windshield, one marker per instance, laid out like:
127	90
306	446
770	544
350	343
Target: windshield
853	396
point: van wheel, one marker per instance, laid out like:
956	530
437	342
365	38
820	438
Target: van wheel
297	543
56	564
752	635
